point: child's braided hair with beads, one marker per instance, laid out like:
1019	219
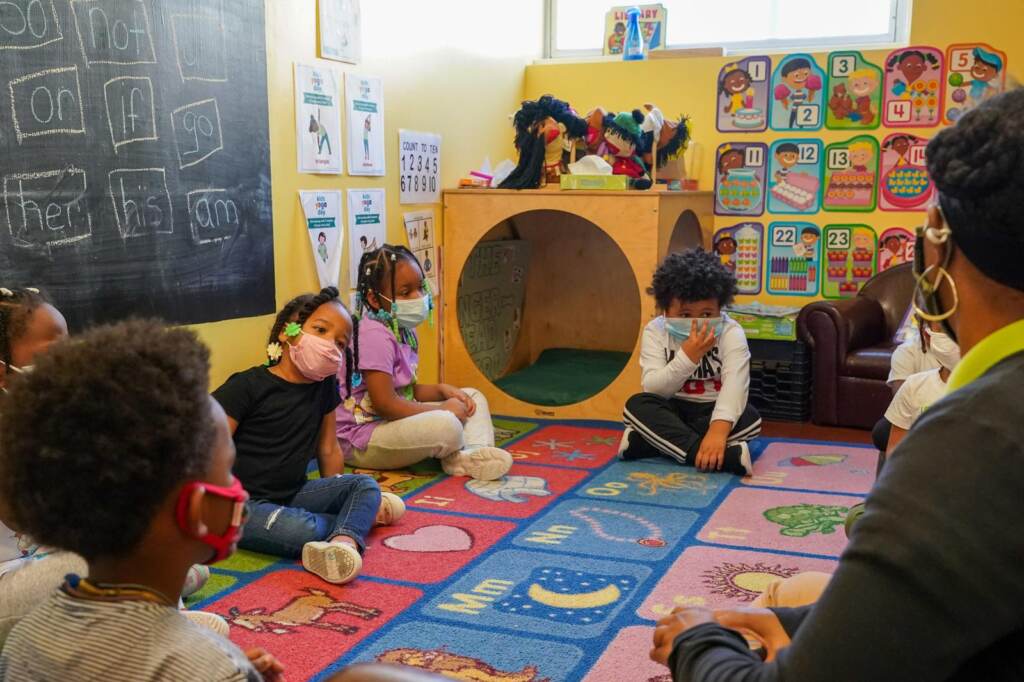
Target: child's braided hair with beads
298	311
16	308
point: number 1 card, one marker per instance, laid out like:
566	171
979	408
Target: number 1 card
743	95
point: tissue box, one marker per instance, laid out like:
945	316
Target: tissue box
608	183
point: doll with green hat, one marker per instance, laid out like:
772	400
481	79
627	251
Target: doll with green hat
621	146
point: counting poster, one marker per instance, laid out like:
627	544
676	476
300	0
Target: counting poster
743	95
794	176
851	174
895	247
794	259
975	72
903	183
854	92
797	84
740	248
849	259
740	179
913	88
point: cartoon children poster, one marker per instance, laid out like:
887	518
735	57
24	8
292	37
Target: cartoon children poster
739	247
850	259
794	176
903	182
322	209
364	96
794	259
797	83
317	119
896	246
975	73
740	179
854	92
743	95
913	88
851	173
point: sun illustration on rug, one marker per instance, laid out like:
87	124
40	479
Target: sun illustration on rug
562	595
801	520
456	667
651	484
744	581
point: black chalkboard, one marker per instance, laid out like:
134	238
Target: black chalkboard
134	157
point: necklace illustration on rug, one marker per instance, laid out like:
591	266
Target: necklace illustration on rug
586	514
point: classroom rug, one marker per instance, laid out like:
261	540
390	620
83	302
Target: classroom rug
558	571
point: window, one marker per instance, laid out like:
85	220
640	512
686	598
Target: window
576	27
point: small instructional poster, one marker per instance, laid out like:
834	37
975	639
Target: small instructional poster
419	228
851	175
975	72
740	178
340	31
794	176
896	247
797	94
317	119
420	158
914	87
322	209
743	95
794	259
850	259
367	226
740	248
364	97
904	184
854	92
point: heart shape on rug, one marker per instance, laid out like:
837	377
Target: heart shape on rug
432	539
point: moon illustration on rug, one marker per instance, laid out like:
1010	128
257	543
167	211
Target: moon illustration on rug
562	595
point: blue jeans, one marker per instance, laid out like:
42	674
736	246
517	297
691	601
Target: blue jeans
322	509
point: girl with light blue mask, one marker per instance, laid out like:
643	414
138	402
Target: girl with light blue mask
388	419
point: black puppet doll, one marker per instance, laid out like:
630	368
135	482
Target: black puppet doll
541	128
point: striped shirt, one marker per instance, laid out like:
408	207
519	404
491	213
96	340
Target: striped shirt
67	638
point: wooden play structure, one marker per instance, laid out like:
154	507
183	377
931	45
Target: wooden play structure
592	255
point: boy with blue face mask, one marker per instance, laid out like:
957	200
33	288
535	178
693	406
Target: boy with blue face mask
695	372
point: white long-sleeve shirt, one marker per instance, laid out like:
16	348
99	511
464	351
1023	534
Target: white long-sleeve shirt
722	376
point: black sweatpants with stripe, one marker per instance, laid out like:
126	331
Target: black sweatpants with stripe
675	428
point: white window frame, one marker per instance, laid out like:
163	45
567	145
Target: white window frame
897	35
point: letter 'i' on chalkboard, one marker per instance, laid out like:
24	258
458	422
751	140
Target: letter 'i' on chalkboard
136	173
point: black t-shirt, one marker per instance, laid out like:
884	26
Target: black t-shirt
278	429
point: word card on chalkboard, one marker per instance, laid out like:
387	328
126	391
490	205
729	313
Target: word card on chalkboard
136	174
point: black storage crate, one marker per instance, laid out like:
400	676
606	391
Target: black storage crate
780	379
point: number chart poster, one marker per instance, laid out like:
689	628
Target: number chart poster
317	119
904	184
794	176
794	259
420	156
136	158
851	174
850	259
367	226
743	95
322	209
854	92
364	96
976	72
913	87
797	84
740	179
896	246
340	31
740	248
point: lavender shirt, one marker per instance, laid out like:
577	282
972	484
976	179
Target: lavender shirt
379	351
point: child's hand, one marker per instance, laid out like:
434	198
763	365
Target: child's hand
700	341
266	664
449	392
456	407
711	453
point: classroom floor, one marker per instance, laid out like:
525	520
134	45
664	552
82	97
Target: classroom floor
558	571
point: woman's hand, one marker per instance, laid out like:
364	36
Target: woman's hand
699	342
674	625
450	392
761	624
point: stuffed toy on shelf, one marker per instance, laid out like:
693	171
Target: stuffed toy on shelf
542	129
618	138
663	145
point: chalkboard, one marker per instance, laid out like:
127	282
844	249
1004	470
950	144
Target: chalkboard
490	302
135	157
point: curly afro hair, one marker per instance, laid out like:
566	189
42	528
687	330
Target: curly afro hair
93	441
16	308
978	168
692	275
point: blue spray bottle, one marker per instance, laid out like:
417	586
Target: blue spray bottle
633	46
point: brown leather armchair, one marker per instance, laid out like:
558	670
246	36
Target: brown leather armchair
851	343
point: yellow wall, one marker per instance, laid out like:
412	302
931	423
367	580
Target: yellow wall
688	86
443	72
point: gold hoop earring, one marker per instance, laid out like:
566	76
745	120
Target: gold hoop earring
925	290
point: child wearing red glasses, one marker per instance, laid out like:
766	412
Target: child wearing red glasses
112	449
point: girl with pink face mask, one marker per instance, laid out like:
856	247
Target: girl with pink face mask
281	416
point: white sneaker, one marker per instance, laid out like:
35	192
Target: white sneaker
335	562
392	508
210	621
624	443
745	458
196	577
483	464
